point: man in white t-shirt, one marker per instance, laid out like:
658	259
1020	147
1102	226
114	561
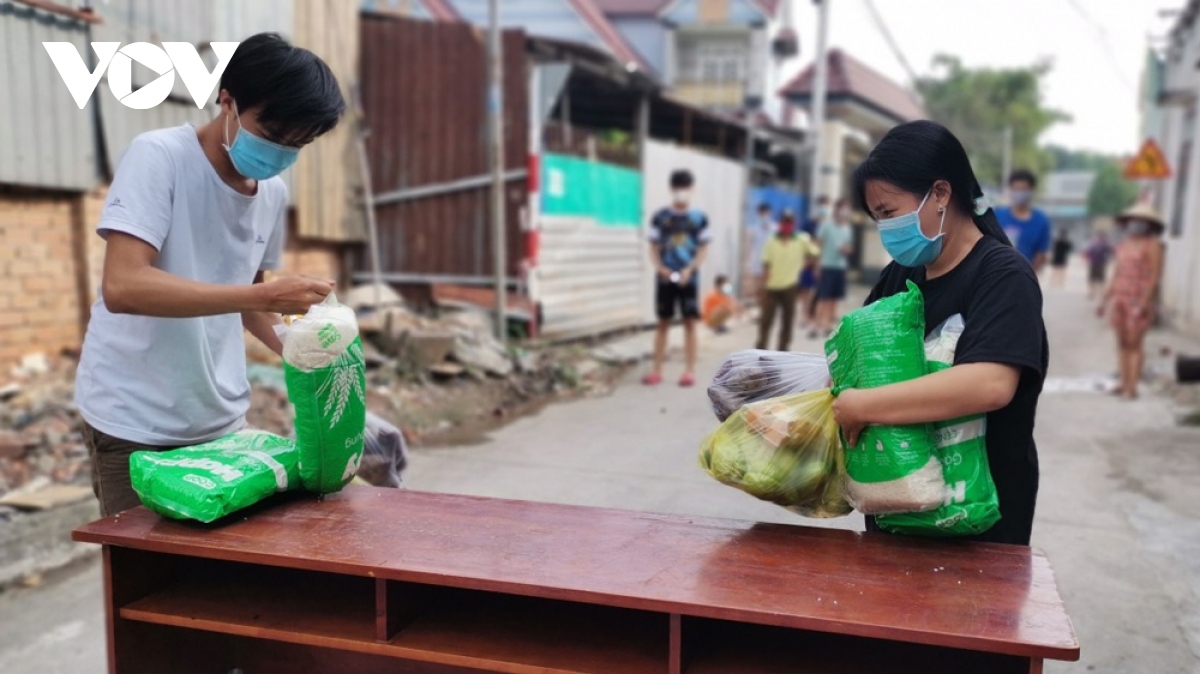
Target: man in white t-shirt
193	218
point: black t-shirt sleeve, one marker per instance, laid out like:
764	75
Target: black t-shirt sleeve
1004	319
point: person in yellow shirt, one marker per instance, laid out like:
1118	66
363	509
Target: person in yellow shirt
784	256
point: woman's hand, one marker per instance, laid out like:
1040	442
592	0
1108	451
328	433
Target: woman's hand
849	414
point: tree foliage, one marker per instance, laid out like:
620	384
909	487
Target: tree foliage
1111	193
977	104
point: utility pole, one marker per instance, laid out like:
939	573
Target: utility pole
1006	161
496	124
820	84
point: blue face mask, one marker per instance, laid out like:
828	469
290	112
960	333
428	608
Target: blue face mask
257	158
906	243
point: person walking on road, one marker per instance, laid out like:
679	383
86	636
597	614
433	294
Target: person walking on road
761	229
679	237
1131	295
1098	253
783	258
919	186
808	278
193	218
836	240
1059	258
1027	227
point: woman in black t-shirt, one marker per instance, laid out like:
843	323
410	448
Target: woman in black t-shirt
918	185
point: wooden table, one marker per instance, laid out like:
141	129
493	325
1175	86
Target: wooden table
378	580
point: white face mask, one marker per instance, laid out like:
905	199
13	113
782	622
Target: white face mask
727	288
681	197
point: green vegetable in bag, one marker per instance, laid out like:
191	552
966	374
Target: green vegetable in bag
893	468
784	450
326	382
209	481
971	505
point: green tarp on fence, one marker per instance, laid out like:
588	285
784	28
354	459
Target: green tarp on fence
573	186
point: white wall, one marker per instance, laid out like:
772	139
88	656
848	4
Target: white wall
720	192
1181	276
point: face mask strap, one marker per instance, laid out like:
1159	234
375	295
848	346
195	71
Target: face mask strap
238	116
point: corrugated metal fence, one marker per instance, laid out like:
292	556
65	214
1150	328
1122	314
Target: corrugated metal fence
45	139
424	93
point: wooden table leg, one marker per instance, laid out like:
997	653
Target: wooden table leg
675	660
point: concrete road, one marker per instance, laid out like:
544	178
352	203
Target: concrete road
1117	516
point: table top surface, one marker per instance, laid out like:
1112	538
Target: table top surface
984	597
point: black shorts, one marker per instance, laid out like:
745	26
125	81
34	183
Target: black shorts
672	297
832	285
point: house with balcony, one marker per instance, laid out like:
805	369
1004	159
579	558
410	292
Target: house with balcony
724	55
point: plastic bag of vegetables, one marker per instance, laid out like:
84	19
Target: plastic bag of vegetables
753	375
785	450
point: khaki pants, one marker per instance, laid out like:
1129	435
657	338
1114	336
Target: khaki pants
110	470
773	301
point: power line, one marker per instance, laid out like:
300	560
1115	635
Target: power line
1104	40
887	36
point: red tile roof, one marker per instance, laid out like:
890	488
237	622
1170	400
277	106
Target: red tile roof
634	7
653	7
591	13
441	10
851	77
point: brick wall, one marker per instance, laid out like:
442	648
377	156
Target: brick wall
51	264
39	304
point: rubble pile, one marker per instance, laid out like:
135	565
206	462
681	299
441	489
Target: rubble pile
40	429
426	374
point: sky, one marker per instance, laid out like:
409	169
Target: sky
1098	48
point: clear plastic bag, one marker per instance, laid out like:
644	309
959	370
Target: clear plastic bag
753	375
785	450
385	454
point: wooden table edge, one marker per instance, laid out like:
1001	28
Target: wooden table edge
1063	652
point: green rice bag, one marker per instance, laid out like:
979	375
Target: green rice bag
971	505
893	468
209	481
326	382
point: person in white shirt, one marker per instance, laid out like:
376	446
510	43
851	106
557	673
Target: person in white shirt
193	218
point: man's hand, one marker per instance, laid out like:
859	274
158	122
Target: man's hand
685	276
292	294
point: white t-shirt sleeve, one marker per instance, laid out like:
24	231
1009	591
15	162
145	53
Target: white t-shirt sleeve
141	195
273	257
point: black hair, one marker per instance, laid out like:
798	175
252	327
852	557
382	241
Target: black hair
1023	175
823	199
764	206
720	280
298	92
681	179
913	157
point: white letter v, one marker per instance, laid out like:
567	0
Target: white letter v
74	71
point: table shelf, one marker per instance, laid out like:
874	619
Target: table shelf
477	630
